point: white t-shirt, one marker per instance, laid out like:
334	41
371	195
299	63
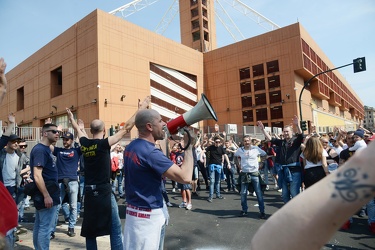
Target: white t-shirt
9	169
358	145
338	149
310	164
249	158
120	158
199	152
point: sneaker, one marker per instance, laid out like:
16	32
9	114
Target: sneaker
195	194
346	226
173	190
189	206
267	187
254	194
169	204
209	199
21	230
182	205
243	214
362	213
220	197
280	190
71	232
372	227
22	220
52	236
66	221
262	216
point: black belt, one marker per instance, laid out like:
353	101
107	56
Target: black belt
93	187
294	168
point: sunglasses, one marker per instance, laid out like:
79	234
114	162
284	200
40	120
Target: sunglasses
22	146
217	141
53	131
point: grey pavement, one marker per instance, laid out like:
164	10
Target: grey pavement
213	225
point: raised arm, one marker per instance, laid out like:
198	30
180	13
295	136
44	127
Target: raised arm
345	191
340	136
11	122
81	126
296	123
80	132
3	80
266	135
129	124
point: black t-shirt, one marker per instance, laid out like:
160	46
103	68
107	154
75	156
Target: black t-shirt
214	154
288	152
97	159
346	154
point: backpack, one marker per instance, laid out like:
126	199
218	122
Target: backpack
114	164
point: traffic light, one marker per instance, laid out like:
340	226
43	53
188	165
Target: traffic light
359	64
303	125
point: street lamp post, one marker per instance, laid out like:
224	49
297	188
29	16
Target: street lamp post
359	65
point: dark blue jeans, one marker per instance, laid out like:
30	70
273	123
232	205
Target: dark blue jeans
231	181
257	188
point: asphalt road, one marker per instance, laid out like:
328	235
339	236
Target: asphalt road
213	225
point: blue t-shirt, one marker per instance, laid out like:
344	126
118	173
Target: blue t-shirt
41	156
67	162
144	166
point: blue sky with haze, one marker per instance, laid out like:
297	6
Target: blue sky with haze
344	29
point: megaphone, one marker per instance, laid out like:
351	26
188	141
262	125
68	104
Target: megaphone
202	111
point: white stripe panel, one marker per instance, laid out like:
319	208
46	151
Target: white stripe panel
164	112
167	113
179	76
165	97
172	86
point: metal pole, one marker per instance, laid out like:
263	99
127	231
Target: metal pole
308	82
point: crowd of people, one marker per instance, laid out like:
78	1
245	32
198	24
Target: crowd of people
94	172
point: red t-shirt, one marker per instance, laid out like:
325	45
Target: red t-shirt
8	211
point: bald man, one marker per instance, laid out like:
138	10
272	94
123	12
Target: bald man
145	165
101	210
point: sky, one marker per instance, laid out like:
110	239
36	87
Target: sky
343	29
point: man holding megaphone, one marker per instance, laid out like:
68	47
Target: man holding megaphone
145	165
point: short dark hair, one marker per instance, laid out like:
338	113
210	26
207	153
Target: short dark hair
217	138
47	126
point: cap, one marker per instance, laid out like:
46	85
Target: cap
14	137
359	133
67	136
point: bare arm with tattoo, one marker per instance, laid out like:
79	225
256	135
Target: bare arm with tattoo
307	216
